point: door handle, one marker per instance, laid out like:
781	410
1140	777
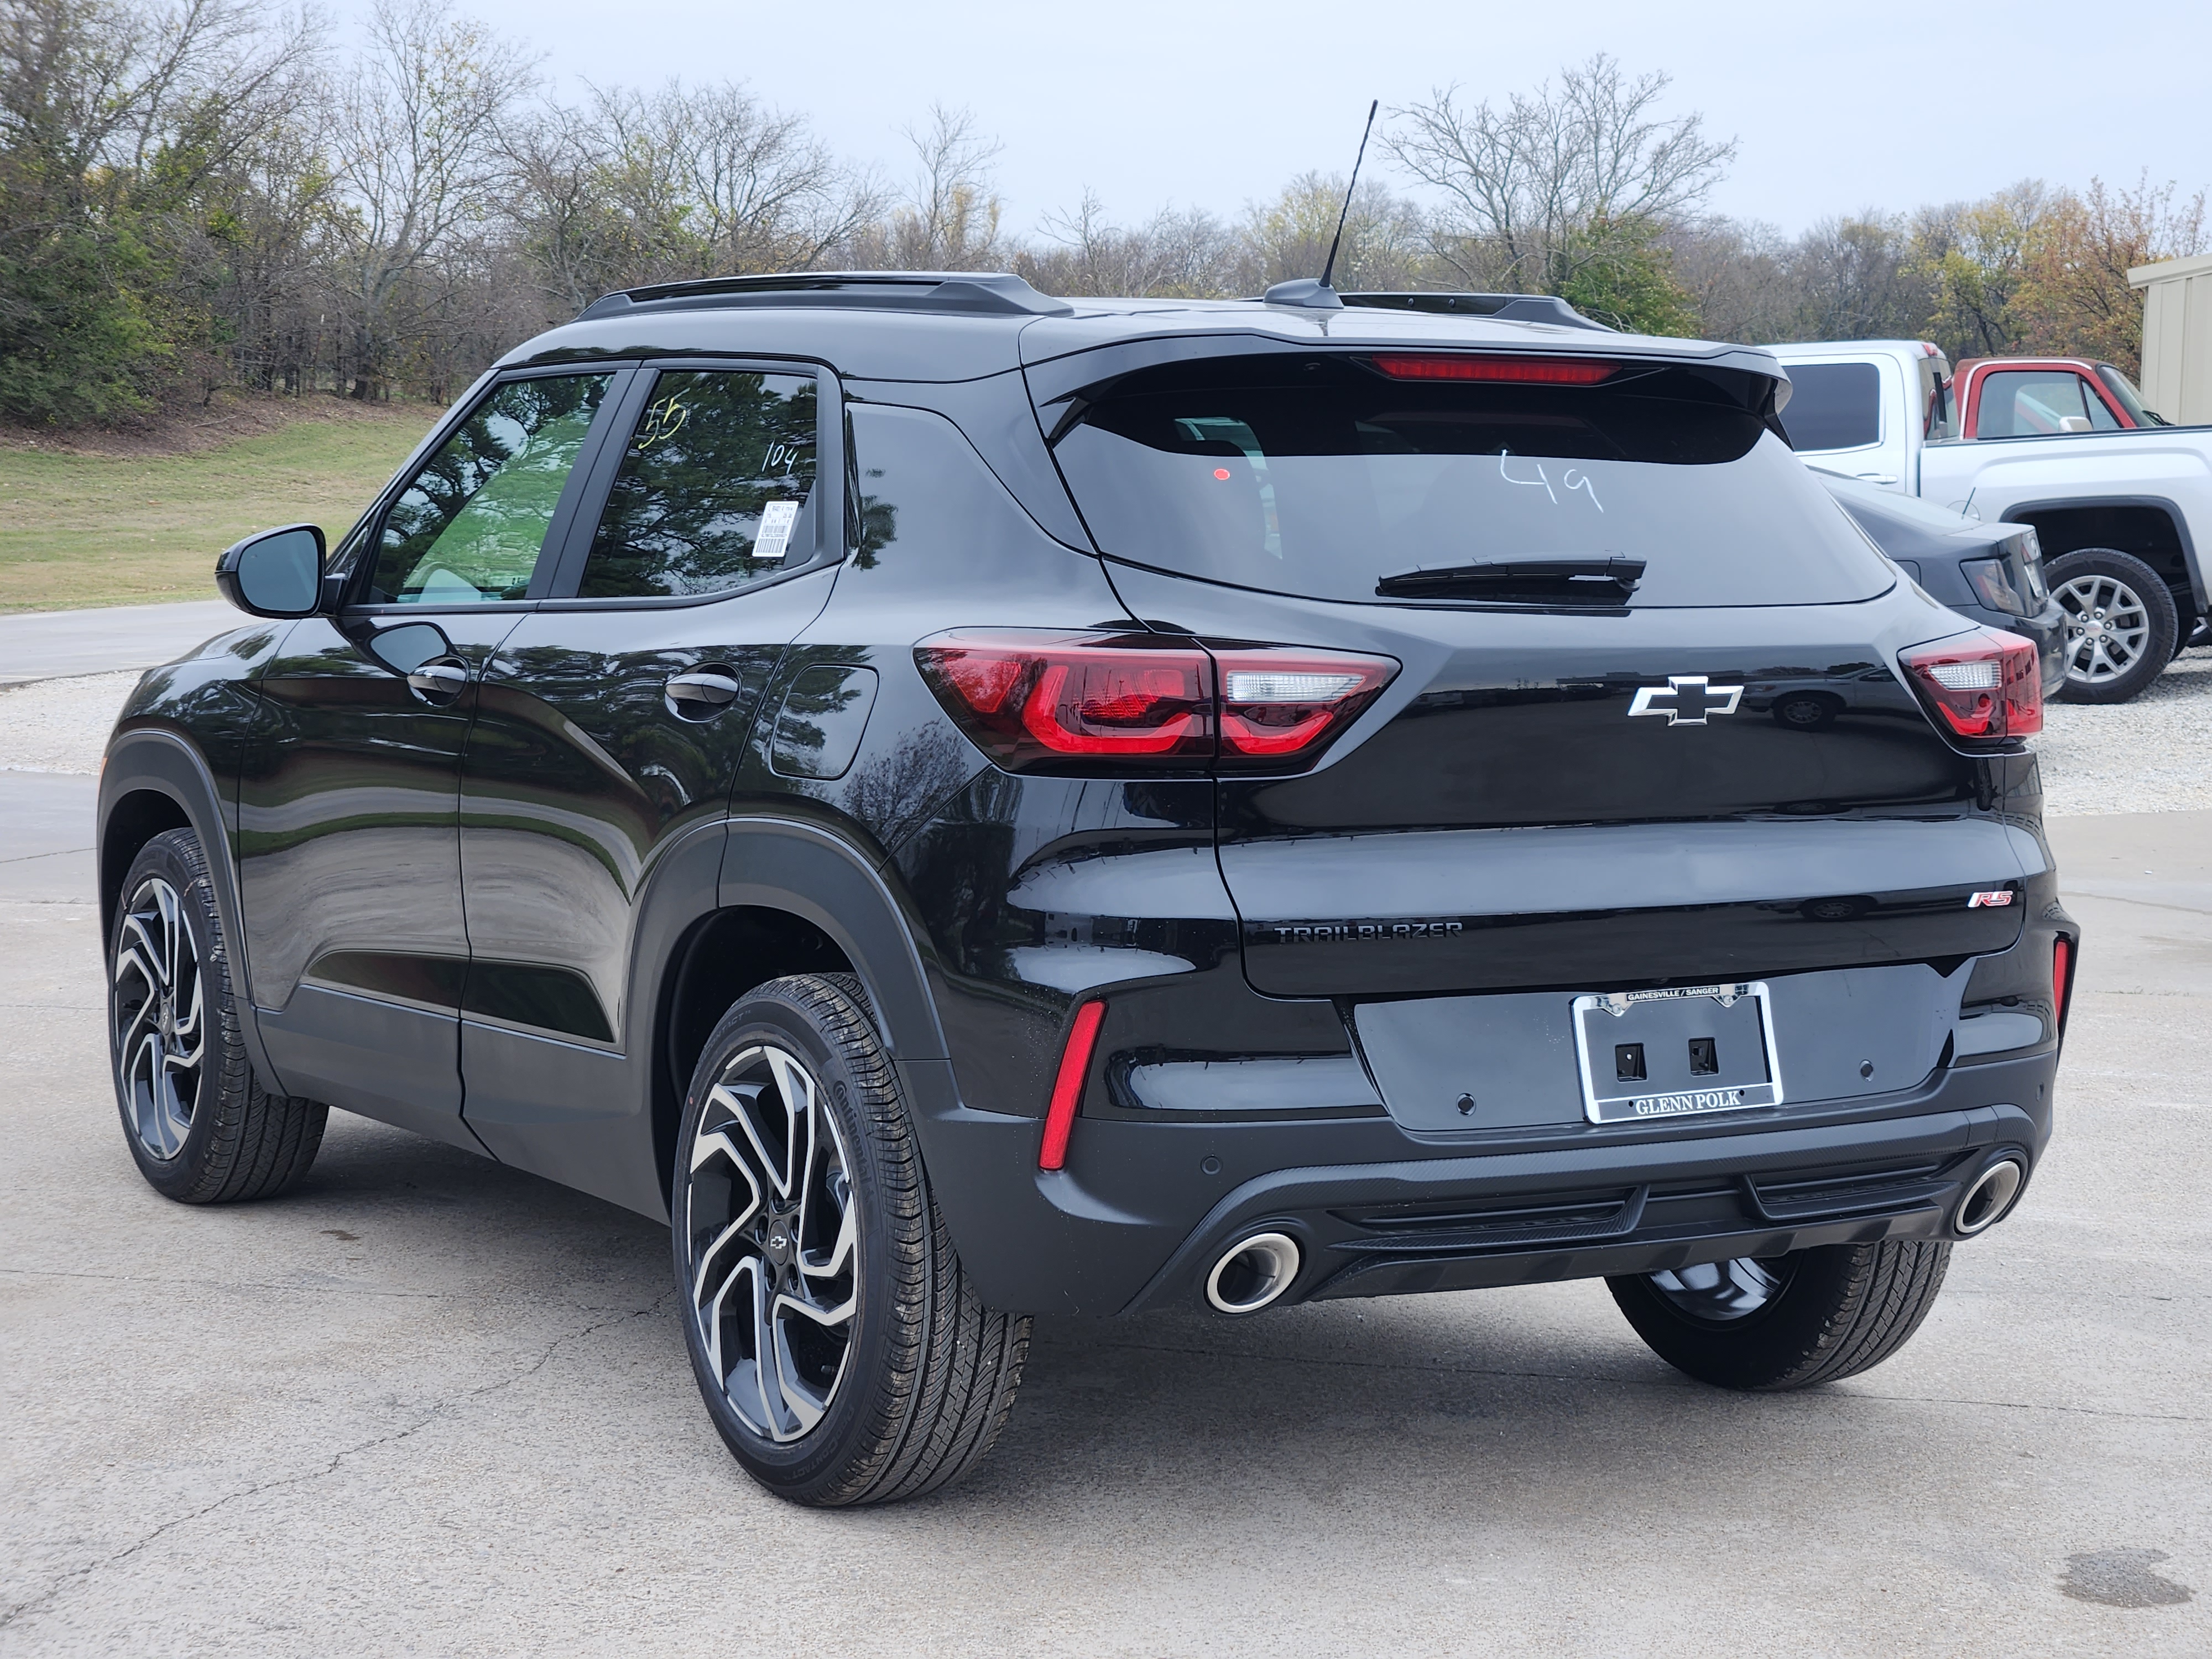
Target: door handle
702	693
440	680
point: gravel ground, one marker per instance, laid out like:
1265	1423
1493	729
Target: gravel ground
60	726
2154	754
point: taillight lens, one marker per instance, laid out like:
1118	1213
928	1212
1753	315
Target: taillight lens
1985	686
2062	963
1285	706
1083	703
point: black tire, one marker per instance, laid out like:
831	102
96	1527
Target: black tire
2097	586
1827	1313
904	1394
199	1123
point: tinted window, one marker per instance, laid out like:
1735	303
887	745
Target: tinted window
714	488
2032	403
1833	405
1321	476
2124	393
471	523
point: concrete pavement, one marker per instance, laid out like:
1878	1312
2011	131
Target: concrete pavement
429	1405
48	644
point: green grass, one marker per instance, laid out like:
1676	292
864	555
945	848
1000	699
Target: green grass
91	529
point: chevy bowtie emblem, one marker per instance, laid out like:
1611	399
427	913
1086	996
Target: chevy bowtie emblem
1686	700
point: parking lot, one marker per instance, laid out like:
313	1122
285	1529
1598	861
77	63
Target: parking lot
426	1404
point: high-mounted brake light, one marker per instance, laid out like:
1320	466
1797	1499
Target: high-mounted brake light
1091	704
1461	366
1067	1085
1985	686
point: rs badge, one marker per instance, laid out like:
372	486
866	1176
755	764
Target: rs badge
1686	700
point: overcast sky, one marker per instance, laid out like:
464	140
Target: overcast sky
1838	106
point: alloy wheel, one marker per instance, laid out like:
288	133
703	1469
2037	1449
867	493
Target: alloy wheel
774	1243
161	1018
1721	1292
2107	628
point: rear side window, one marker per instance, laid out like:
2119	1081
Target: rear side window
1833	406
1323	476
714	488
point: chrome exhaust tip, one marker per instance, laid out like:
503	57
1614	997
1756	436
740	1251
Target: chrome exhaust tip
1253	1272
1990	1196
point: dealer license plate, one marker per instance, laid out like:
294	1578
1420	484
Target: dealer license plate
1675	1053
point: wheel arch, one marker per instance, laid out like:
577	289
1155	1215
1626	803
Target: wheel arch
2151	527
791	899
154	782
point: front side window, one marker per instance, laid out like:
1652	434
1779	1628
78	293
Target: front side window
713	490
2034	403
2124	393
470	524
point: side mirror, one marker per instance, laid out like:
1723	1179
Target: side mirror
278	573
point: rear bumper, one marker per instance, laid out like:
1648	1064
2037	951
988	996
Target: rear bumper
2047	629
1144	1210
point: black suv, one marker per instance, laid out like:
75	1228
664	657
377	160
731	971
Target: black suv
975	806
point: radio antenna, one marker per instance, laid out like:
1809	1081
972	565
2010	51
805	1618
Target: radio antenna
1328	269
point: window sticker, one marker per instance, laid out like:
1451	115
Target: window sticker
775	538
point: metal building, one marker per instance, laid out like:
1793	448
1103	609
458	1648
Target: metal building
2177	348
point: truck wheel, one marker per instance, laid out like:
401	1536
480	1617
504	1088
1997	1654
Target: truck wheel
1789	1322
843	1354
199	1123
2120	623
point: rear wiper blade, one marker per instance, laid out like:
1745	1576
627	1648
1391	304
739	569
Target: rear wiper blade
1575	581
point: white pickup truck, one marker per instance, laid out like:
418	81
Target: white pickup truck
2121	509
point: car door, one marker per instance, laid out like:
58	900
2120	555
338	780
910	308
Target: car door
608	733
349	833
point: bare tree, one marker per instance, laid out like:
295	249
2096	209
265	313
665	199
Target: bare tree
1735	276
417	133
949	218
1289	236
1183	252
1556	180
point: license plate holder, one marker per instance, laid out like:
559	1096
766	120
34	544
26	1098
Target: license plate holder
1617	1031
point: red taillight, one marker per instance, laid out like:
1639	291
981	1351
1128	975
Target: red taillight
1529	371
1032	700
1083	703
1985	685
1067	1086
2062	959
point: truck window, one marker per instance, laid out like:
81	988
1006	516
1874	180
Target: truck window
2035	402
1833	406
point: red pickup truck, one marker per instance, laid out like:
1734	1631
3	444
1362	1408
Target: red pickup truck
2037	396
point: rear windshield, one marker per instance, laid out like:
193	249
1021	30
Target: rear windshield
1322	476
1833	406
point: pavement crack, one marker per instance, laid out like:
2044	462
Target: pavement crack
436	1413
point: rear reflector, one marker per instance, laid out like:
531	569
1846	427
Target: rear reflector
1091	704
1528	371
2062	959
1067	1087
1985	687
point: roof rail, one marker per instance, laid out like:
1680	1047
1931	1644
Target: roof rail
971	293
1506	307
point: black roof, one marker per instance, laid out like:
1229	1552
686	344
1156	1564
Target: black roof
868	325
